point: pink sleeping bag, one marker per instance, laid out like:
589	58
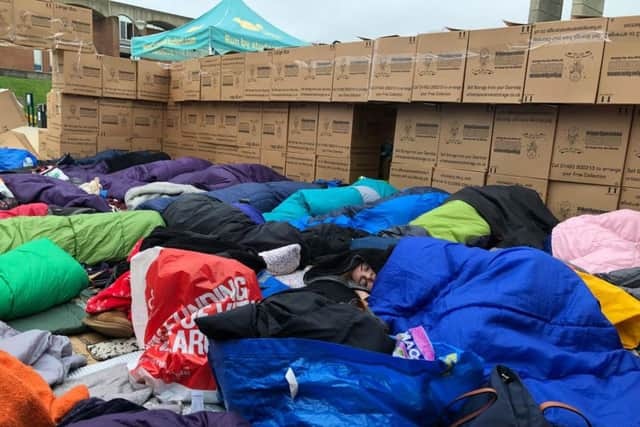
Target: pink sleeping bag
599	243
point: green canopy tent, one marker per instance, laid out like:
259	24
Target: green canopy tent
230	26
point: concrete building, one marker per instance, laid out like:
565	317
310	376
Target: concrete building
114	24
551	10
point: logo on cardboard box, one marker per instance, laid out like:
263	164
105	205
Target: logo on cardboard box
425	67
454	134
576	66
342	68
572	143
485	63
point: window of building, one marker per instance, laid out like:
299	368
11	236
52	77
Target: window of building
37	60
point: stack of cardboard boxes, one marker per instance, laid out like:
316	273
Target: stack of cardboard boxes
46	24
99	103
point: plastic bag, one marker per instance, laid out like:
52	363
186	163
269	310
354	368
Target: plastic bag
170	288
292	381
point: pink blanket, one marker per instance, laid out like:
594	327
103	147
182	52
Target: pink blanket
599	243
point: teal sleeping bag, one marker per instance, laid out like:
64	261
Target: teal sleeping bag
90	239
36	276
315	202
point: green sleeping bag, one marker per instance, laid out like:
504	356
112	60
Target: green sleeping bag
37	276
455	221
90	239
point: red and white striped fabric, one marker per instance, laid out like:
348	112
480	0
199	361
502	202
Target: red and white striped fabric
170	288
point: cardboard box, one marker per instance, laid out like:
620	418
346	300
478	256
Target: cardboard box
116	118
118	77
301	166
303	128
538	185
71	113
192	82
566	200
591	144
146	144
190	124
276	160
72	26
454	180
410	175
12	139
345	127
258	75
620	74
210	70
631	177
392	70
316	81
209	123
153	81
76	73
249	154
417	135
228	134
352	71
465	137
629	199
564	61
12	112
114	143
177	79
33	23
349	168
79	145
172	130
148	119
232	86
7	23
441	59
275	126
250	126
286	82
496	65
522	142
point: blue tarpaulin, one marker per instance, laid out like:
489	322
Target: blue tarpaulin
230	26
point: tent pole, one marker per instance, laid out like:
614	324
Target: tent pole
210	38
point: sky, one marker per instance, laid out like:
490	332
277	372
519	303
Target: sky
329	20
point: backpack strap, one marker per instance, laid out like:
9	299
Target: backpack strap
552	404
485	390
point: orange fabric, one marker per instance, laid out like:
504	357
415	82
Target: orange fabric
26	398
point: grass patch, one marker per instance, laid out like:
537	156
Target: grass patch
21	87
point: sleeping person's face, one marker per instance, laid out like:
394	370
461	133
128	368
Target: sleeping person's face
364	275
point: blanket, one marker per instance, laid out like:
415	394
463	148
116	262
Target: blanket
322	201
31	209
90	238
599	243
516	214
221	176
29	188
518	307
50	355
455	221
378	216
36	276
138	195
263	196
27	400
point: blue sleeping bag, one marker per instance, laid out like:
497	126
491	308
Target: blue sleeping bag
396	210
295	382
521	308
263	196
319	202
16	158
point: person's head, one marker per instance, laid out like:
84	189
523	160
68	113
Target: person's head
364	275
